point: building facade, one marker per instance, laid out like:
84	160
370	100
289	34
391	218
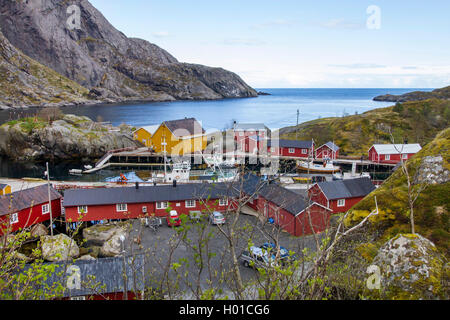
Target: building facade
392	154
25	208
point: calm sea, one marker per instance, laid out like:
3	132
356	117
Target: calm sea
276	111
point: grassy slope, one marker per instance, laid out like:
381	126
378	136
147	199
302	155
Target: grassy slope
431	211
416	121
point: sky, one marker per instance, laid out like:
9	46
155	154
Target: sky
299	44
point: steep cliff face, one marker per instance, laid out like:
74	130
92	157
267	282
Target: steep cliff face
98	56
25	82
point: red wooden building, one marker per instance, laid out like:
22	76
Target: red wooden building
342	195
243	131
22	209
289	210
291	148
327	151
136	202
392	153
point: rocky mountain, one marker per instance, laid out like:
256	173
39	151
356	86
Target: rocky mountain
67	138
25	82
102	59
416	122
443	93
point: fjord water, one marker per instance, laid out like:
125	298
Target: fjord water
276	111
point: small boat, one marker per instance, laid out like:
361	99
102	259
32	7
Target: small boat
311	167
88	167
76	172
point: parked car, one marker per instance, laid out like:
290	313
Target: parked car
216	218
285	256
195	216
257	258
173	219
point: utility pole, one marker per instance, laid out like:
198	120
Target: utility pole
296	128
49	200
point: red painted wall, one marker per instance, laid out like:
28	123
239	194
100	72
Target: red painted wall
320	153
284	152
318	196
134	211
394	158
300	225
30	216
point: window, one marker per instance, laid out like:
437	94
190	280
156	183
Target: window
14	218
304	151
341	203
190	203
162	205
82	209
291	150
121	207
405	157
223	202
241	134
45	208
387	157
272	149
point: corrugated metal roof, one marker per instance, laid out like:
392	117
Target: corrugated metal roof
332	146
169	193
251	127
291	144
150	129
344	189
24	199
107	272
397	148
185	127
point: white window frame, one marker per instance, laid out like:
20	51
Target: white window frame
162	205
387	157
14	218
121	207
188	203
241	133
291	150
405	156
341	203
46	207
304	151
223	202
80	209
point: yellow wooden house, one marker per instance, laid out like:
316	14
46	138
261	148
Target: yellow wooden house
180	137
145	134
4	189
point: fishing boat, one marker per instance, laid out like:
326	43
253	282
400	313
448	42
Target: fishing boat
327	167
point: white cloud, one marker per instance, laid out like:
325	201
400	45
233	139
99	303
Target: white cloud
244	42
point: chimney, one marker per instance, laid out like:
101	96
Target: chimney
137	185
174	183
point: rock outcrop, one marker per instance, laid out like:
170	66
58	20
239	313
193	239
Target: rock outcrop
411	268
102	59
443	93
69	138
107	237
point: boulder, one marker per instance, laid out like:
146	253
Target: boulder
99	234
58	248
112	247
38	230
87	257
411	268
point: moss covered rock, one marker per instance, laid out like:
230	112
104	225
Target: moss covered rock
411	268
59	248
